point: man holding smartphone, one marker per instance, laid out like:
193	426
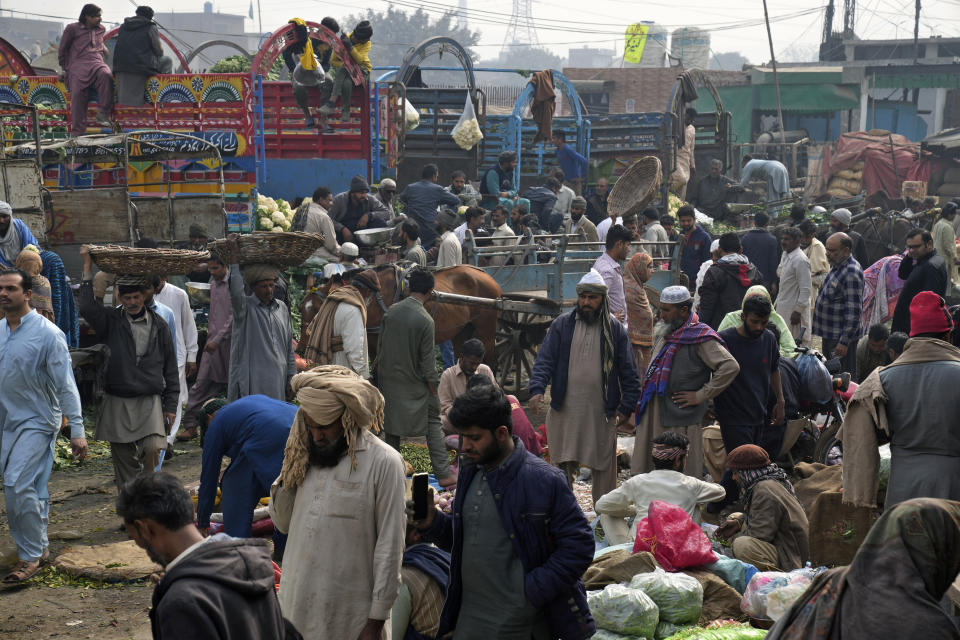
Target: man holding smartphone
518	540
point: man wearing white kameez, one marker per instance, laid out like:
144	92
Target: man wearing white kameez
587	360
793	296
36	379
340	497
178	301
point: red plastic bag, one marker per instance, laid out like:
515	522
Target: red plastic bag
674	539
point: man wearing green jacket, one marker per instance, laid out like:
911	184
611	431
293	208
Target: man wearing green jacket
406	373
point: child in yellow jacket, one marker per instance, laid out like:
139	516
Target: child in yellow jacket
358	44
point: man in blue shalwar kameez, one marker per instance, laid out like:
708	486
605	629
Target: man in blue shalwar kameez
38	389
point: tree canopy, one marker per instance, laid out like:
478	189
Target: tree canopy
395	32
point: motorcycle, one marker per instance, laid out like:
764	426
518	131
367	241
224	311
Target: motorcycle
827	418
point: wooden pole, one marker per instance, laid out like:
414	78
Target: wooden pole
776	80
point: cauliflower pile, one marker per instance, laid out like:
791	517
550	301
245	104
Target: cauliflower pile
674	203
273	215
467	134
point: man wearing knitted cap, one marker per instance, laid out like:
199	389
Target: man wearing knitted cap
340	498
142	380
138	55
579	224
773	533
690	367
357	209
840	223
261	342
587	360
913	404
338	333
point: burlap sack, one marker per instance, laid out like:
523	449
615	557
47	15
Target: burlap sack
822	479
837	529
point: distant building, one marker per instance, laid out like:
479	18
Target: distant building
31	37
591	57
193	29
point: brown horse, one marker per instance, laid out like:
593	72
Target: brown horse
452	322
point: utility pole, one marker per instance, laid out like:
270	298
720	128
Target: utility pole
916	33
776	79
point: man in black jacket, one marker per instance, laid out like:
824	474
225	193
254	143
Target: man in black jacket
726	282
137	56
922	269
217	587
142	379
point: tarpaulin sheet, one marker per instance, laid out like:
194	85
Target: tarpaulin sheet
887	160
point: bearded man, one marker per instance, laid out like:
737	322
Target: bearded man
587	359
338	333
691	367
340	497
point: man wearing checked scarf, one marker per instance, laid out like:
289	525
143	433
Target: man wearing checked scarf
690	366
587	360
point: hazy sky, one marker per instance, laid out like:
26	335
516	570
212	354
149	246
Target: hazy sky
734	25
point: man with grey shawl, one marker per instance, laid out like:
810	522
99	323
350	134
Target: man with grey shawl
587	360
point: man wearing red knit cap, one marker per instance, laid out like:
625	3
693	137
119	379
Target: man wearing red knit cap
913	404
772	534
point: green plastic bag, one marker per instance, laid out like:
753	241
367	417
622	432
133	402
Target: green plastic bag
723	633
678	596
624	610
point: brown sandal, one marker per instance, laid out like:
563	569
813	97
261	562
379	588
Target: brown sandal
22	572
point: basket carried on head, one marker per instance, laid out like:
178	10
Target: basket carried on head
635	189
283	249
114	258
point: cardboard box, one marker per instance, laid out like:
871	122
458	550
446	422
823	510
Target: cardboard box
914	189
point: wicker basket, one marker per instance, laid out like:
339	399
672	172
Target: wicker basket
114	258
635	189
284	249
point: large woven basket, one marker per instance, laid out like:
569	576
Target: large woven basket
114	258
635	189
284	249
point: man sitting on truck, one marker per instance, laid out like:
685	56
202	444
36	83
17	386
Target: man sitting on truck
358	46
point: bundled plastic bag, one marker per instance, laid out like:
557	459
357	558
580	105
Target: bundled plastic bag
885	456
466	133
624	610
770	593
678	596
603	634
671	535
815	381
411	117
667	629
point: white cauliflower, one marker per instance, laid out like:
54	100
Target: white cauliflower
265	223
277	229
467	134
278	217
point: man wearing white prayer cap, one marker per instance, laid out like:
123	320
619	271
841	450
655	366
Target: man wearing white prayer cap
840	220
588	362
691	366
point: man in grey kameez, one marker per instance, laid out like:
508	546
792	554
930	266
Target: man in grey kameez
588	362
261	345
406	371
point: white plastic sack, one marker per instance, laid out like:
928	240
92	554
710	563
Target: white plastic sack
411	117
624	610
771	593
467	132
678	596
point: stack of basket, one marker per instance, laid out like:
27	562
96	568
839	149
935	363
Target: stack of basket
282	249
119	259
636	187
847	182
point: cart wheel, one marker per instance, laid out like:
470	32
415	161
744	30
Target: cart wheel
519	335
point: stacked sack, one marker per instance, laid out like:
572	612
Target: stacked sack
847	182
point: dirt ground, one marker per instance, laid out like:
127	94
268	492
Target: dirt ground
53	605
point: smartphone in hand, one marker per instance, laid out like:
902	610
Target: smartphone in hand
421	485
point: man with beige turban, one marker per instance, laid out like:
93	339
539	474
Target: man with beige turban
261	344
340	497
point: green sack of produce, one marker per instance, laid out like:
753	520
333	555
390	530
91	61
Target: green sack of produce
666	629
603	634
678	596
723	633
624	610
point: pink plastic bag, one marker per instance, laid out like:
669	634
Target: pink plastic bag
671	535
